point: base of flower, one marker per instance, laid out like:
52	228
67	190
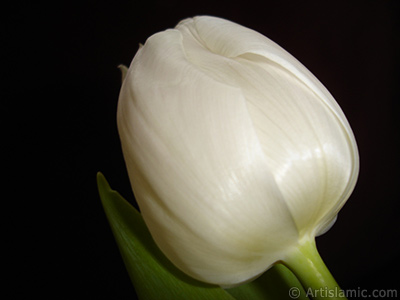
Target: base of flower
306	263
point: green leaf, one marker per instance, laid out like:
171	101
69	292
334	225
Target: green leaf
155	277
152	274
277	283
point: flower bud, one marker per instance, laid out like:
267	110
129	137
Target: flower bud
235	151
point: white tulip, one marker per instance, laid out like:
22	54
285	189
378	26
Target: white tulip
236	153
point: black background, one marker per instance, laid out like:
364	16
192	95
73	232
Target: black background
60	95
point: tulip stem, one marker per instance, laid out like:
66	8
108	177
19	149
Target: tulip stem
306	263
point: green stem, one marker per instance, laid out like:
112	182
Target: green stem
306	263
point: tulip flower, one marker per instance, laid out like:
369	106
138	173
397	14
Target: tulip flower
237	155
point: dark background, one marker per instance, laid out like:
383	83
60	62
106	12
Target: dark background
60	96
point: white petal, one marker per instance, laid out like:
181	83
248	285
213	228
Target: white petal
305	136
197	168
324	227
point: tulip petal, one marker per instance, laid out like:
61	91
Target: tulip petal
306	139
306	147
197	168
